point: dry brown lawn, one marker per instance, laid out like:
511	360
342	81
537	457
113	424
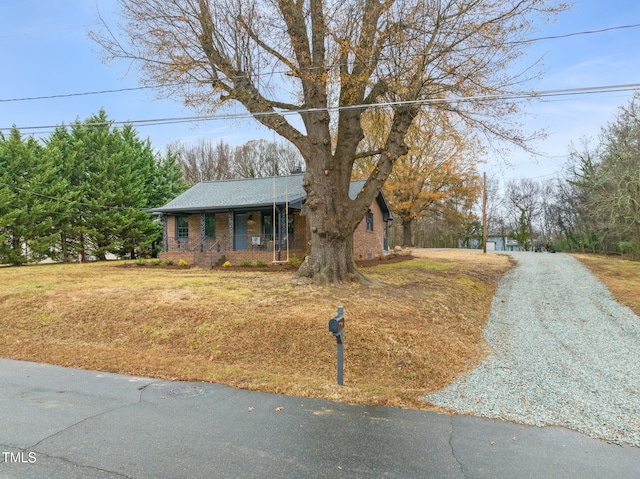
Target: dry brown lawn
621	276
253	329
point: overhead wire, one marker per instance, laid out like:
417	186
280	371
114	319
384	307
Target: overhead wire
165	121
574	34
86	93
332	109
170	85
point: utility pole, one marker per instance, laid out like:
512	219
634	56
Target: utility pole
484	212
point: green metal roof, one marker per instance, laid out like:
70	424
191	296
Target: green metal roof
250	193
232	194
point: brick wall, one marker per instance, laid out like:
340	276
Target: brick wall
302	233
176	256
234	257
222	227
194	228
366	244
369	244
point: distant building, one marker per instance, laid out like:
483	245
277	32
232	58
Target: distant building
502	243
497	242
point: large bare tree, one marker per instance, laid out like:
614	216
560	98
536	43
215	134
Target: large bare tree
309	69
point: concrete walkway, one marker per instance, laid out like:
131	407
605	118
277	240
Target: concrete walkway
66	423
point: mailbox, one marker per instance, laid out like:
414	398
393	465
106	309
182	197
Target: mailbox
336	325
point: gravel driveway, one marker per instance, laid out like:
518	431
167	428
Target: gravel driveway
561	352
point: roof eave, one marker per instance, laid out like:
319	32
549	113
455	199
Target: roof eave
223	209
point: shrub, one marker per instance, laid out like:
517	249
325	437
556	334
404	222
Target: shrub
155	262
246	263
261	264
226	264
168	262
295	261
182	263
628	247
141	262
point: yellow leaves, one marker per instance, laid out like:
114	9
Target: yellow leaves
439	165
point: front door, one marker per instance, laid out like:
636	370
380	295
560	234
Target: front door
240	232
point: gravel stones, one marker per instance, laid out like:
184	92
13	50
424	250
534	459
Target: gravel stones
561	352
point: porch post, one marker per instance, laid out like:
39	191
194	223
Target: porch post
202	230
385	246
231	231
165	233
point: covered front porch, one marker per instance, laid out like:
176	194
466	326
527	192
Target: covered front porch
207	238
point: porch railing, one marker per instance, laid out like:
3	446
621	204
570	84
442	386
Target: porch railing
250	242
193	245
253	242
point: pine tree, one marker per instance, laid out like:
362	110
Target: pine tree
117	177
30	183
68	224
85	192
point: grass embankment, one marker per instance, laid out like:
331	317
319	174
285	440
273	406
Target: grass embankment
253	329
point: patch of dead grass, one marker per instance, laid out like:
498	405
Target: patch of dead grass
621	276
403	339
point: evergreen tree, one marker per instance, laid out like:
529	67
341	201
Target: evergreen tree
118	167
85	192
168	181
30	183
69	226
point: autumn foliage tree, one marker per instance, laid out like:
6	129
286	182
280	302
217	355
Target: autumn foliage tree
435	177
310	69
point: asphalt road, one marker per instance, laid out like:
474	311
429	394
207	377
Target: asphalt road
66	423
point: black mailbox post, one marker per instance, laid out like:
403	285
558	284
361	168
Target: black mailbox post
336	326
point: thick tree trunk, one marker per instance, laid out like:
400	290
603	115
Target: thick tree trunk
329	262
407	239
65	248
331	223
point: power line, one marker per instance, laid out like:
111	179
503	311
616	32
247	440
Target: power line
574	34
238	116
87	93
170	85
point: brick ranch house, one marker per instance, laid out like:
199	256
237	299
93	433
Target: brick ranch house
255	219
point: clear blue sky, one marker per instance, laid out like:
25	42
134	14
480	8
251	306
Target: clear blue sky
46	51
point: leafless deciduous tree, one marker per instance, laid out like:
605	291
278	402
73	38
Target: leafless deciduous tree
606	181
204	161
524	197
208	161
259	158
326	62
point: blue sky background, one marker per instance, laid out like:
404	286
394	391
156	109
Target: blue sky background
46	51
